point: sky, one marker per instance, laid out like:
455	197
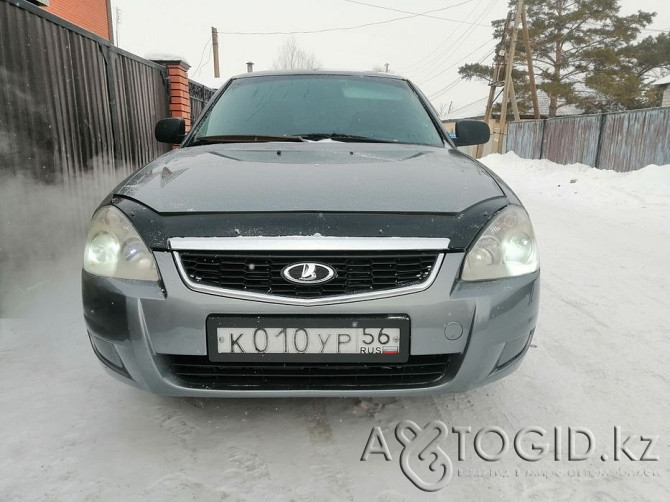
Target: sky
427	49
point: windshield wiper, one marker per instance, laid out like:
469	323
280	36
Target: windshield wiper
245	138
261	138
347	138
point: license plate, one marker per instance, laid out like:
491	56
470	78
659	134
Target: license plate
308	339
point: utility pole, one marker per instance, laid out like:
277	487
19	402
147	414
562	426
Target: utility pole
215	50
509	83
498	66
504	63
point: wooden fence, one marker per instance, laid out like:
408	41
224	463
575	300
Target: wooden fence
622	141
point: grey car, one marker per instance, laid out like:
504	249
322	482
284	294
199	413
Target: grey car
316	234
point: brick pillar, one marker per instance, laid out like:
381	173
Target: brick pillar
180	100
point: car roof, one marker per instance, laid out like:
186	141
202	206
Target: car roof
275	73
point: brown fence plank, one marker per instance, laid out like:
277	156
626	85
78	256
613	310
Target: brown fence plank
525	138
636	139
572	139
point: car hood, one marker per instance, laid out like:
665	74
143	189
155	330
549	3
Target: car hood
318	176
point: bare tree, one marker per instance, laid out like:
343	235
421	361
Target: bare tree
292	57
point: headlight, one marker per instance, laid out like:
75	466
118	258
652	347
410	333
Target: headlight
115	249
507	248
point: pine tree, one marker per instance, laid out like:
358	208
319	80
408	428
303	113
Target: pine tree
620	79
586	43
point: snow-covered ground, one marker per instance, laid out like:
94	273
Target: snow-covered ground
599	359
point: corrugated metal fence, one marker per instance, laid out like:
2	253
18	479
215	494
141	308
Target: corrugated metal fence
76	117
623	141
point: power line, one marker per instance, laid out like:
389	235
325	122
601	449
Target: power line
459	61
345	28
202	56
209	57
431	57
446	89
455	82
465	106
453	49
419	14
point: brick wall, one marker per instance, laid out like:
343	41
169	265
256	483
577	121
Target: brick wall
91	15
180	99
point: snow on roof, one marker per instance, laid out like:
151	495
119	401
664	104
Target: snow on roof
563	111
477	109
472	111
663	81
165	56
211	82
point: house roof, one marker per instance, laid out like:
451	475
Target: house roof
471	111
477	109
663	81
211	82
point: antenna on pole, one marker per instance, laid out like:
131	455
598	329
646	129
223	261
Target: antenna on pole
118	21
215	51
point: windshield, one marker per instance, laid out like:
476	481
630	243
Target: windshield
319	107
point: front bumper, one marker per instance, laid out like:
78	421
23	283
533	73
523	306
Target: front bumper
135	327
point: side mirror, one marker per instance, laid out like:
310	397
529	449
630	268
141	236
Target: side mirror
471	132
172	130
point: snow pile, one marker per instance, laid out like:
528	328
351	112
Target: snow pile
646	187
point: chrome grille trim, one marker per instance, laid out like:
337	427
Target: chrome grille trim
307	243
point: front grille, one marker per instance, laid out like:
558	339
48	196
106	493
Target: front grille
357	272
418	371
